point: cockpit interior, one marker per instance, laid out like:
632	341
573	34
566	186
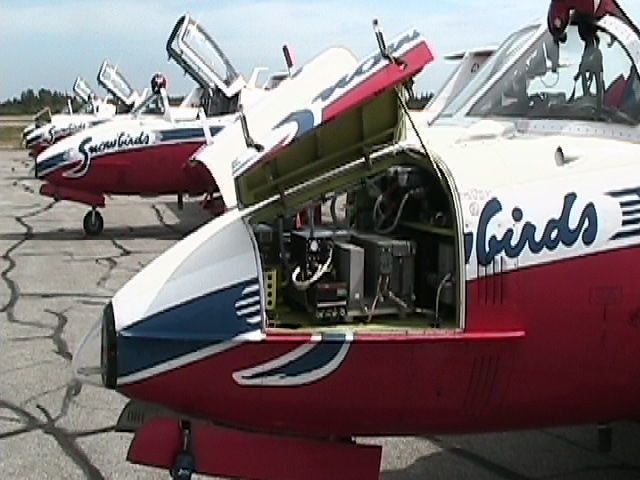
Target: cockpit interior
586	75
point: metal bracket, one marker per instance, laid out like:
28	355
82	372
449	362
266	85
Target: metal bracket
245	132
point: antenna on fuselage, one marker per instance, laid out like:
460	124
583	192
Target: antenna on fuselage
400	63
288	58
382	45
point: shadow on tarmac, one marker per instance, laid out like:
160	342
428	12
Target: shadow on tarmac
159	232
571	454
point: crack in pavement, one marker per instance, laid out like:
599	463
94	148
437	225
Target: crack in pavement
97	431
65	439
14	290
73	389
48	295
62	348
124	251
91	303
4	418
47	254
163	221
39	395
14	433
25	367
75	434
112	262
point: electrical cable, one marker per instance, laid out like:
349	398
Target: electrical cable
443	282
283	256
376	210
332	209
304	285
405	109
393	226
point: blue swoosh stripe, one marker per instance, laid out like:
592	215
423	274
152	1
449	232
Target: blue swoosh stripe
166	135
186	133
49	163
136	354
304	120
183	329
319	356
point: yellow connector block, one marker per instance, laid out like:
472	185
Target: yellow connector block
271	288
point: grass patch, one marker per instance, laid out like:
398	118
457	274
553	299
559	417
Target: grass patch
10	137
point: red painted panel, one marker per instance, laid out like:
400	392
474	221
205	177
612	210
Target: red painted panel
155	170
80	196
391	74
232	453
565	351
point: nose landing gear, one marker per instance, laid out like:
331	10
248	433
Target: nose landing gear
605	438
185	463
93	223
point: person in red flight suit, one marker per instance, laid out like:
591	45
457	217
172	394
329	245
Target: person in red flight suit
560	12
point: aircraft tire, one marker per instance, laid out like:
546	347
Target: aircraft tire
93	223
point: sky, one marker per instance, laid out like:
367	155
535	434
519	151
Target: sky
47	44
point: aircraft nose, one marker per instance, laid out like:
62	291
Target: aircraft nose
38	160
49	160
95	360
35	166
201	296
27	131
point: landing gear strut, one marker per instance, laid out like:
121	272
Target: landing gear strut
93	223
605	438
185	464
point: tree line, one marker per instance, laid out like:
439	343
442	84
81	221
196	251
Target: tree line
30	102
419	101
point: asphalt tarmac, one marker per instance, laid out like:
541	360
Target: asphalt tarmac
53	284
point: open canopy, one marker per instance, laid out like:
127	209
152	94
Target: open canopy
200	56
83	91
591	74
111	78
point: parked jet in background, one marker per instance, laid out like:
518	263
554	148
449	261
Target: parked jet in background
111	78
148	153
47	129
483	276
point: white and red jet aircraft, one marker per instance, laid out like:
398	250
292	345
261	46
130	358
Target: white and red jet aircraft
481	277
148	151
47	129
